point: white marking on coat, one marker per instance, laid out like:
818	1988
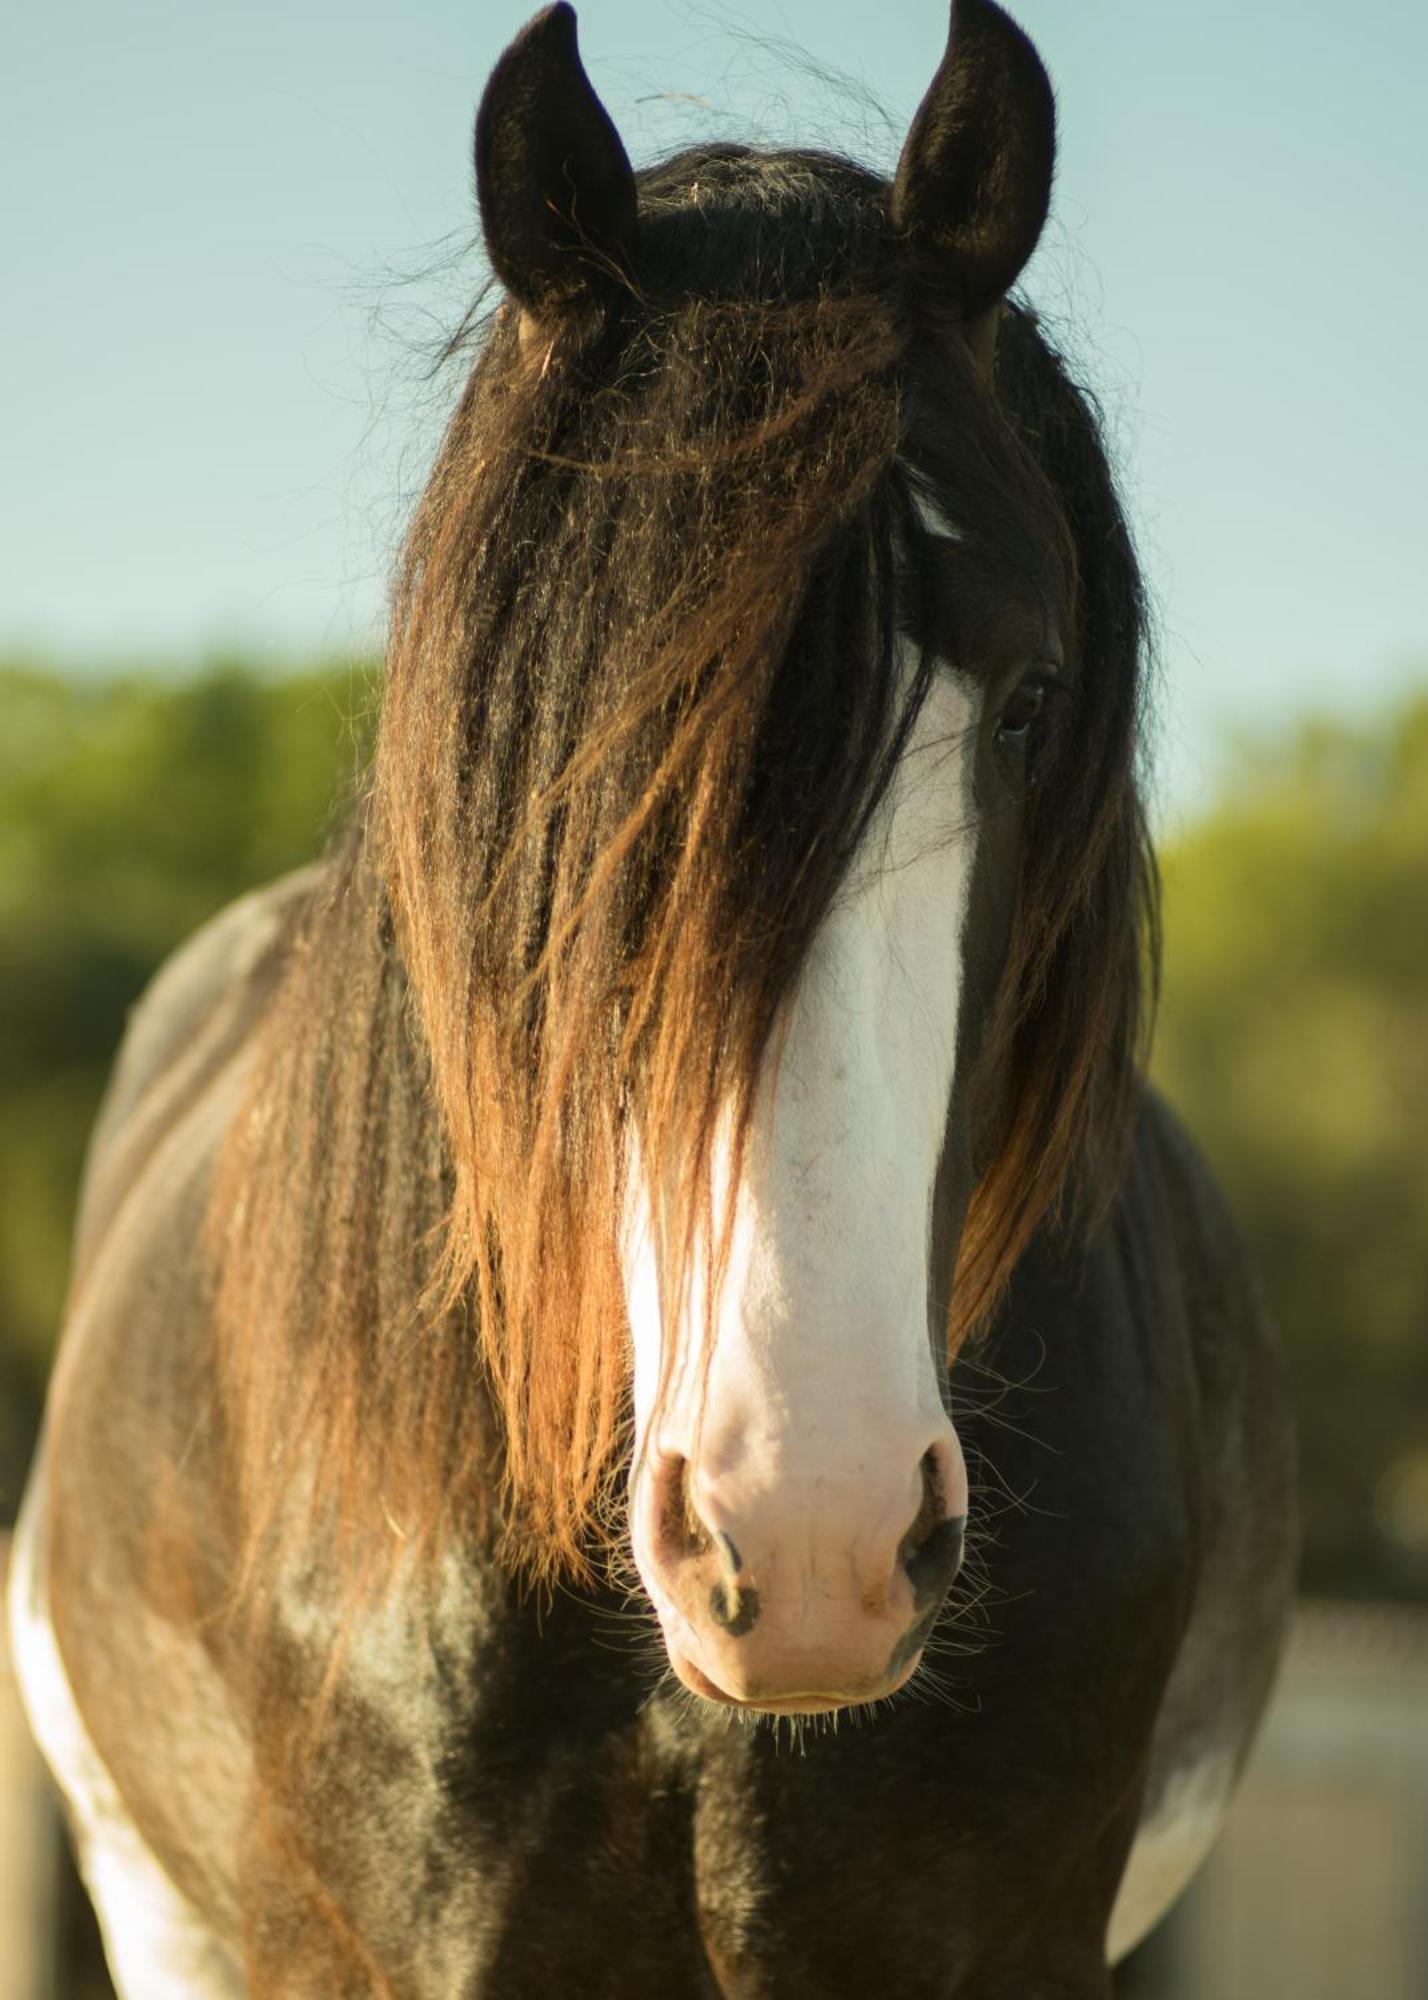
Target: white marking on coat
157	1945
1169	1848
821	1353
932	516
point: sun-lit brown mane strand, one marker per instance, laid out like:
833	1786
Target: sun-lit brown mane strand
642	698
625	753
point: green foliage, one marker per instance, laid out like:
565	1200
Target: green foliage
1294	1036
1294	1033
130	809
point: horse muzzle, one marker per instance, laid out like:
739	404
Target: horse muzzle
816	1599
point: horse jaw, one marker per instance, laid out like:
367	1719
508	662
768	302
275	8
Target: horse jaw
798	1489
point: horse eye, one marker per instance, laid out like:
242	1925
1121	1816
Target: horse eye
1014	724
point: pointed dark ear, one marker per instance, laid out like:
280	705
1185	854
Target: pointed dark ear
553	182
974	181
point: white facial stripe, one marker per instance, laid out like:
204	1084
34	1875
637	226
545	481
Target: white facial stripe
933	519
821	1320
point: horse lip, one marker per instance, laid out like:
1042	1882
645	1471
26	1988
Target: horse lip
819	1702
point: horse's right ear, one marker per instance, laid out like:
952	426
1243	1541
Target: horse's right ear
553	182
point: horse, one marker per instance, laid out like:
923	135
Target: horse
651	1402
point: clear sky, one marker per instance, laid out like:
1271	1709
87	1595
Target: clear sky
218	217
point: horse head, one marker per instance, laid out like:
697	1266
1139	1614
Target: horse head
783	793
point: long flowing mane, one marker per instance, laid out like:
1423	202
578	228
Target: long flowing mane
641	701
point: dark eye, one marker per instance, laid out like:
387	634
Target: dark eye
1026	726
1021	714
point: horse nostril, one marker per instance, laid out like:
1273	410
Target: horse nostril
681	1532
683	1537
733	1602
931	1550
733	1561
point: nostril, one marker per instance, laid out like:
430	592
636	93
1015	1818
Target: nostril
733	1602
930	1512
733	1562
931	1550
681	1533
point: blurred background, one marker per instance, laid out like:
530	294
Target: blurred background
236	239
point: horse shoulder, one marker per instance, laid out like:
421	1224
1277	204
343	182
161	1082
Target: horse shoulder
198	1010
118	1612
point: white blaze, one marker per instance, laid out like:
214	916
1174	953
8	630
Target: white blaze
821	1347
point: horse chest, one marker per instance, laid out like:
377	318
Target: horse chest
506	1809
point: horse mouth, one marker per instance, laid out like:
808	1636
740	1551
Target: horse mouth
819	1702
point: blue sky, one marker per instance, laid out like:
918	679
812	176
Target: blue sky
234	231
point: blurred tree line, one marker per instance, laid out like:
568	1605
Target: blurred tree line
131	808
1294	1031
1294	1035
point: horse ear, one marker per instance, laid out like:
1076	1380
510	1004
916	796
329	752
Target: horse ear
974	181
553	182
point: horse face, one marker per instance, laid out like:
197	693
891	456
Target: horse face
799	1493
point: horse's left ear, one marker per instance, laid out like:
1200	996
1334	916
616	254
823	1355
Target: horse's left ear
553	181
974	181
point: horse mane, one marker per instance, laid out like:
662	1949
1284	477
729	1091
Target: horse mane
640	704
